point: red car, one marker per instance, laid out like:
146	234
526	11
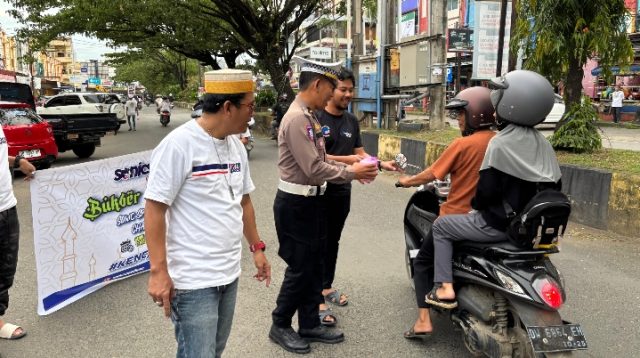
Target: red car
28	134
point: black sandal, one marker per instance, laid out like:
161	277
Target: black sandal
433	299
412	334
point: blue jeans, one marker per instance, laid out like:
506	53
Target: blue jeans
202	320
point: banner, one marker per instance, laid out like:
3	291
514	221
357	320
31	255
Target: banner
408	25
88	227
485	39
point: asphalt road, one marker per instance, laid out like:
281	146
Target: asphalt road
601	272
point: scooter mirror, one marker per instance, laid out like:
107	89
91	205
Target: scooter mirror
401	161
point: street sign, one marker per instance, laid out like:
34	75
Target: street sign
84	69
320	53
449	75
94	80
459	40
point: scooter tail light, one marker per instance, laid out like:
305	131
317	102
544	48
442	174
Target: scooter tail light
550	292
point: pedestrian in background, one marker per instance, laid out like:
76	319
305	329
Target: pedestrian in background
278	111
197	210
9	231
300	209
131	107
616	103
341	133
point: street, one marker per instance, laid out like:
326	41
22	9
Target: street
601	272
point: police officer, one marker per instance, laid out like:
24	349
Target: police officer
300	209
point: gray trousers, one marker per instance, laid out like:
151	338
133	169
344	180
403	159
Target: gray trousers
460	227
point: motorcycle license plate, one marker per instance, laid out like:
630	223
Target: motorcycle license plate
566	337
33	153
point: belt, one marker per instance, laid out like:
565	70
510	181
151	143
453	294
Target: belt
299	189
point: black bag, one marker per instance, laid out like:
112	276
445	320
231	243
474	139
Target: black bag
542	220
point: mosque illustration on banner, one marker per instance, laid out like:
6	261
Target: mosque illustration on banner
68	261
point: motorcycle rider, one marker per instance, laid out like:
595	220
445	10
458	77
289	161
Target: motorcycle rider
165	106
278	110
519	161
475	114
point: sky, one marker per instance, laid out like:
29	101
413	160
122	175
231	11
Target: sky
85	48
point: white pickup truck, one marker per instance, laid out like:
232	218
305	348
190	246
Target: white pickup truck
79	120
83	103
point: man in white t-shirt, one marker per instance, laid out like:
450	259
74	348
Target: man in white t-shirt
616	103
9	231
131	107
197	209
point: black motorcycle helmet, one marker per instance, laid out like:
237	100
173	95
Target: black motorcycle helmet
476	103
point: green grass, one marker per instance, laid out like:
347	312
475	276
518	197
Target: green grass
615	160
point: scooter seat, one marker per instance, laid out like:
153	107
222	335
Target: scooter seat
481	246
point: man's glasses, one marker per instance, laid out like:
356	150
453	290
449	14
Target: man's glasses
251	106
453	113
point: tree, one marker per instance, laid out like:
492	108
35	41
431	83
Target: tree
155	24
268	29
558	37
158	70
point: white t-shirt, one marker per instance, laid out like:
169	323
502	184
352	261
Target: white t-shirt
192	172
7	199
131	106
616	98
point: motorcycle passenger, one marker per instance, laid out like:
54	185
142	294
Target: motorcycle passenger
165	105
462	159
519	160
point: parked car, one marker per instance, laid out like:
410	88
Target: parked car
16	92
28	134
556	113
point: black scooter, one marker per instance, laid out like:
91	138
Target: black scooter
508	298
165	118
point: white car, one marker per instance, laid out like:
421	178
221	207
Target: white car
556	112
81	103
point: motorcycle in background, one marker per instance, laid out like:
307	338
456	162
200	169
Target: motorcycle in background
508	297
165	118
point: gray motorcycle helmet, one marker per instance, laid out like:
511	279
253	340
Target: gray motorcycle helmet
522	97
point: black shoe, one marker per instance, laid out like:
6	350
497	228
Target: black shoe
288	339
129	129
321	334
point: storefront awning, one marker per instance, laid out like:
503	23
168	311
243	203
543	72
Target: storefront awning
633	69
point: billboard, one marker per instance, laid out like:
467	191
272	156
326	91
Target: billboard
423	14
408	25
485	39
409	5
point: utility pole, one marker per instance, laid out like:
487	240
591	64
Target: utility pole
438	27
503	20
513	55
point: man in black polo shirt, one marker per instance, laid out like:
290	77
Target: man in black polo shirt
341	133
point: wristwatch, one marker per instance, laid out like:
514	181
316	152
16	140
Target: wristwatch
260	245
16	161
379	166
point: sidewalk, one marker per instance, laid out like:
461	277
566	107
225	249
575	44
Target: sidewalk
612	137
